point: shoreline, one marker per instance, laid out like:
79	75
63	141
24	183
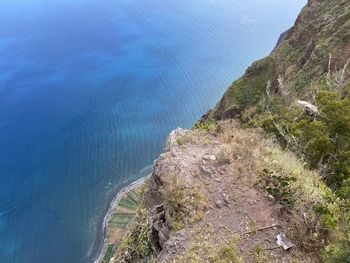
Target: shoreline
114	202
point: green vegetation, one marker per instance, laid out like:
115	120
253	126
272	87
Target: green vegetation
226	253
313	209
184	205
208	125
134	196
121	220
135	245
322	140
279	187
311	67
128	202
250	88
259	255
180	140
108	254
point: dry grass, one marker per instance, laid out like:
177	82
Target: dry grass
191	202
247	150
308	228
185	204
241	149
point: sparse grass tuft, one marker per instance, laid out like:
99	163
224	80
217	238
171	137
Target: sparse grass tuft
259	254
227	252
184	204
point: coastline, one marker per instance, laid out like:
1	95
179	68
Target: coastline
107	217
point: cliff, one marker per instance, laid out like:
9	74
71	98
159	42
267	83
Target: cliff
265	175
222	194
301	58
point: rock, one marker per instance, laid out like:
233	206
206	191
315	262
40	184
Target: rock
309	109
219	203
159	228
173	246
218	180
209	157
206	171
173	138
225	198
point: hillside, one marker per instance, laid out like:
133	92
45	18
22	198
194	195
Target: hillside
208	200
265	175
301	58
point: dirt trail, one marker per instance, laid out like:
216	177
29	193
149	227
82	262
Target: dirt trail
225	170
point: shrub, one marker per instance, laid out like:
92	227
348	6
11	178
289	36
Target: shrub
135	244
208	125
279	187
323	140
313	209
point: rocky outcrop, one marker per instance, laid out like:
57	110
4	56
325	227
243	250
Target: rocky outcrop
206	194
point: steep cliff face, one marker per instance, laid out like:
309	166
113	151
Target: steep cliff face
220	193
301	58
300	93
212	197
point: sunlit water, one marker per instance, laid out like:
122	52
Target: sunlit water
88	91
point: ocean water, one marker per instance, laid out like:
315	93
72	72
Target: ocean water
89	90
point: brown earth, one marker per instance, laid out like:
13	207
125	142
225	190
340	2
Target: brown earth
221	171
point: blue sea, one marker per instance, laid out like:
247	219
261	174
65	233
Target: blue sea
89	89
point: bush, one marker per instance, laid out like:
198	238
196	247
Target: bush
208	125
135	244
323	140
279	187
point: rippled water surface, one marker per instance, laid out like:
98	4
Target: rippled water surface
88	91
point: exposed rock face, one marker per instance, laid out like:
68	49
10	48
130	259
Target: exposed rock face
174	138
310	110
207	188
202	194
166	172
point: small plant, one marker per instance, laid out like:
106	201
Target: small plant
259	253
208	125
323	213
180	140
184	205
279	187
227	252
252	226
337	253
